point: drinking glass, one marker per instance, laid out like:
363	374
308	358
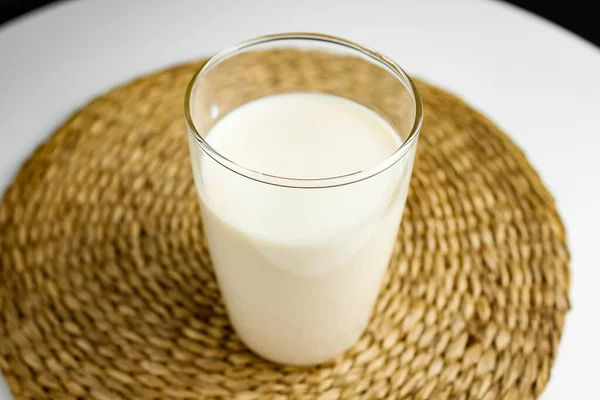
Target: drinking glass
300	261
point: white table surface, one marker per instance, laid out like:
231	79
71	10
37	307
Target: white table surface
537	81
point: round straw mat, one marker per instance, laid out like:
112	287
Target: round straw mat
107	291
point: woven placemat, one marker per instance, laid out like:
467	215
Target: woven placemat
107	292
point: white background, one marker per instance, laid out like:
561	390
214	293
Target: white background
540	83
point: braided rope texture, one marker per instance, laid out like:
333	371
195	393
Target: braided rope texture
107	290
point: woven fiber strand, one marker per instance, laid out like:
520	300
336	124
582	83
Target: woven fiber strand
107	290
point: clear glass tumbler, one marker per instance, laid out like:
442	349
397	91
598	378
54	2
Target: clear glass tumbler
300	261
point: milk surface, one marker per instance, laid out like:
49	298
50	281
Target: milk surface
300	269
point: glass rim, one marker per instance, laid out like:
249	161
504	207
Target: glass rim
307	183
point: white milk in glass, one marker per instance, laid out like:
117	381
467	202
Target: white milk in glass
300	269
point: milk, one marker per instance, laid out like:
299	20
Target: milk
300	269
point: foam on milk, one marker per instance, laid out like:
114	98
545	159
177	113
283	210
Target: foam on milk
300	269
